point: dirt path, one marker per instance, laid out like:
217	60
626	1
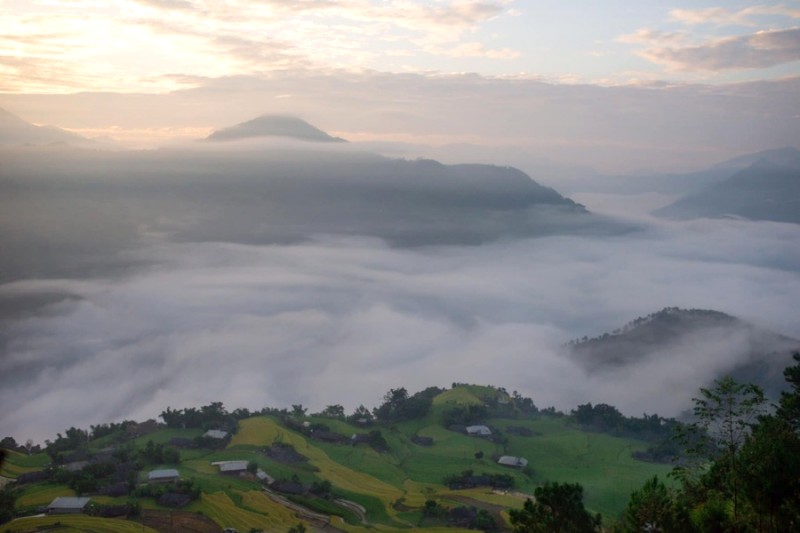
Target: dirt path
320	522
356	508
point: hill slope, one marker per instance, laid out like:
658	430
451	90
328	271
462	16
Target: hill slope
760	356
763	191
16	131
370	485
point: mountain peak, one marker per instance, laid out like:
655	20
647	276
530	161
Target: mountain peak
15	130
273	126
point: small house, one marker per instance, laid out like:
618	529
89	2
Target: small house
264	477
514	462
479	431
216	434
231	468
67	505
166	475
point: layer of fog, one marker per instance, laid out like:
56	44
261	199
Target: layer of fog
343	319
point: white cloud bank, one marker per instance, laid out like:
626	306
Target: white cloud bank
342	321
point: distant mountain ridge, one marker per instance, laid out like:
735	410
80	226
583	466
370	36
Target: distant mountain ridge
767	189
762	354
14	130
274	126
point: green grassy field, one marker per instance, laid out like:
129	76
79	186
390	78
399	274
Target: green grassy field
74	523
41	494
392	486
19	463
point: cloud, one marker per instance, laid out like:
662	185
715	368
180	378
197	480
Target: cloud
721	16
97	49
343	320
758	50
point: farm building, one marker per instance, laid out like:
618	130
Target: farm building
215	434
67	505
479	431
231	467
264	477
515	462
163	476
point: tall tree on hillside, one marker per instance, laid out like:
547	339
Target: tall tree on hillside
725	414
770	474
558	509
789	408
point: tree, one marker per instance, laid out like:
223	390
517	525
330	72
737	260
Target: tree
558	509
7	498
652	508
361	415
298	411
789	408
333	411
725	414
770	474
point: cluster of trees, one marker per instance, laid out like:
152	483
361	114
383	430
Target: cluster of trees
558	507
211	416
745	469
651	428
159	454
462	516
398	406
469	479
464	415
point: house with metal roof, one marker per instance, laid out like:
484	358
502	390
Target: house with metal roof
231	467
67	505
215	434
514	462
166	475
479	431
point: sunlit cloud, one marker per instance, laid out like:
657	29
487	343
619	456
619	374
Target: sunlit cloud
758	50
115	46
721	16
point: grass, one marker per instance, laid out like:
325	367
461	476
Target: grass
263	431
41	494
463	395
76	523
163	436
19	463
223	510
602	464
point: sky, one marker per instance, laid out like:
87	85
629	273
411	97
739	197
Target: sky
158	45
531	74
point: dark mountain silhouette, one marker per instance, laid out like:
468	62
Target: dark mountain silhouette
762	355
104	200
768	189
274	126
16	131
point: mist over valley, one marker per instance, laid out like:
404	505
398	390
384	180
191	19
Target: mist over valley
269	271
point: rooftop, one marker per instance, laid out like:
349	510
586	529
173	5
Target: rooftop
163	474
68	502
